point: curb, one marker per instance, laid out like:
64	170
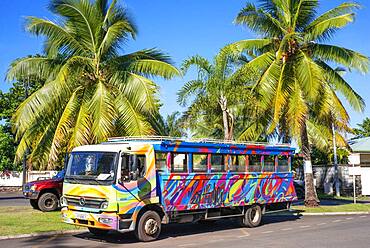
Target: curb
40	234
332	213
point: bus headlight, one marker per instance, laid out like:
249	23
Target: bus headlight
104	205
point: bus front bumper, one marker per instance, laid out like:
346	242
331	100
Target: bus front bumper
108	221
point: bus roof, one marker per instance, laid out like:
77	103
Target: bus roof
168	144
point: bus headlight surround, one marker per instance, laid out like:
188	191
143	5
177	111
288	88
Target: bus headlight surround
104	205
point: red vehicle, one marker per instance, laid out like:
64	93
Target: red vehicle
45	194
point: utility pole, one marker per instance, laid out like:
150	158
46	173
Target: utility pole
24	165
336	177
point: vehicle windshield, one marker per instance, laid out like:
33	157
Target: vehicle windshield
91	167
59	175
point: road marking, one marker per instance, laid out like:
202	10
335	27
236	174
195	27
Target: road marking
246	234
336	221
286	229
185	245
349	218
304	226
268	232
215	240
363	216
320	224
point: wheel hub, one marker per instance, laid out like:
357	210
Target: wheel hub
151	226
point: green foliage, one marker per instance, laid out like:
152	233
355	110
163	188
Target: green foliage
320	157
297	83
218	96
91	90
364	128
7	150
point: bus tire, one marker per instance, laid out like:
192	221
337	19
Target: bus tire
97	231
48	202
148	227
252	216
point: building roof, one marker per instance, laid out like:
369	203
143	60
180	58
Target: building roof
360	144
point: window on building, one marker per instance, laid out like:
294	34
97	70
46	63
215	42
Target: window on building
179	162
283	164
255	163
161	161
269	163
217	163
200	162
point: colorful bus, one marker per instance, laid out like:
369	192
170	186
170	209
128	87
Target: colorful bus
138	184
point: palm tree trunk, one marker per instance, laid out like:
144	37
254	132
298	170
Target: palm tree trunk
311	199
225	117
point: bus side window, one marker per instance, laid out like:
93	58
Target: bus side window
125	172
179	162
269	163
161	161
234	163
255	163
200	162
141	165
283	164
242	163
217	163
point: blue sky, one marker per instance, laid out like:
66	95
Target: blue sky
181	28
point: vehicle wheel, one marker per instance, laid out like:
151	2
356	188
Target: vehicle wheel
252	216
34	204
148	227
48	202
98	232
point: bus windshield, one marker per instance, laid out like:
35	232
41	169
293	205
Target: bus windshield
92	167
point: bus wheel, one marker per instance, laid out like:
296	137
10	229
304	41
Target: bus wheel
98	232
252	217
149	226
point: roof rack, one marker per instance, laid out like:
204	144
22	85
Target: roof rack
200	140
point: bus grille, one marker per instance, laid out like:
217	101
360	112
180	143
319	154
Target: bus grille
86	202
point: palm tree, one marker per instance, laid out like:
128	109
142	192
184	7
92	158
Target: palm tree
217	92
296	79
92	91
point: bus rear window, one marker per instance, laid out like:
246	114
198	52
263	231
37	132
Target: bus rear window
200	162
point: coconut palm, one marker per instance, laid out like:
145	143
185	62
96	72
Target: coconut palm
217	94
92	91
296	79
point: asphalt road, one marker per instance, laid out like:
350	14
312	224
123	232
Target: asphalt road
13	199
276	231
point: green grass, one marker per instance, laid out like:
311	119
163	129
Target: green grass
348	198
25	220
337	208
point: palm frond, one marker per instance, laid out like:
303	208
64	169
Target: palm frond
341	55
